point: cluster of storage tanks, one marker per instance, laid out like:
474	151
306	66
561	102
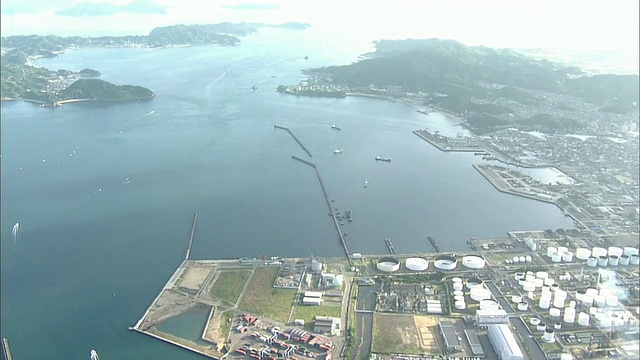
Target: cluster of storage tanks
597	256
477	292
441	262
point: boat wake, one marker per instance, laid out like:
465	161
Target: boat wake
140	117
94	355
95	192
14	232
126	181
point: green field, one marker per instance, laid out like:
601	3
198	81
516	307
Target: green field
229	285
261	298
309	312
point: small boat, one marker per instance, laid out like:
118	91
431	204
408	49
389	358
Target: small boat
366	183
94	355
335	127
380	158
254	88
338	151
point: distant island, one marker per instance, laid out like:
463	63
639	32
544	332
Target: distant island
95	9
490	89
22	81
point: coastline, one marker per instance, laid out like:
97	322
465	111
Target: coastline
77	100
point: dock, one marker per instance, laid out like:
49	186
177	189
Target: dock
294	138
389	244
333	215
192	235
434	244
6	352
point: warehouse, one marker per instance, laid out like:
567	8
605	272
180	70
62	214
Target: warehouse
327	325
504	343
451	341
491	316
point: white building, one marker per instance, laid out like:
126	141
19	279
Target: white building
491	317
504	343
311	301
327	325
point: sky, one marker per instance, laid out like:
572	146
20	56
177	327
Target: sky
575	24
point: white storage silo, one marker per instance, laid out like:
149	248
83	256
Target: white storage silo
474	282
587	300
572	304
523	306
562	249
580	294
541	326
549	282
546	288
593	310
519	275
515	259
489	304
458	298
544	302
456	280
592	261
516	298
479	293
556	258
554	287
529	277
630	250
458	286
569	315
583	319
624	259
542	275
460	305
458	292
538	283
598	251
557	326
416	264
549	335
558	301
531	295
634	260
551	250
614	260
554	312
614	250
567	257
612	300
565	356
599	300
583	253
604	291
522	259
529	286
592	292
603	261
534	321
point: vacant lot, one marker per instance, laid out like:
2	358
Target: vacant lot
261	298
194	277
229	285
309	312
395	334
428	331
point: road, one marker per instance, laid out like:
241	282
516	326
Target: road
365	306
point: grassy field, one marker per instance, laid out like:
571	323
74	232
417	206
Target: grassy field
261	298
229	285
308	313
393	334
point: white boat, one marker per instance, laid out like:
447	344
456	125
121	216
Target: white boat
366	183
338	151
16	229
380	158
334	126
94	355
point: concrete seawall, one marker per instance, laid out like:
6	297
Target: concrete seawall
294	138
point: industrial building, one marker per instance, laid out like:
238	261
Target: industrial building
451	340
474	342
311	301
504	343
327	325
491	316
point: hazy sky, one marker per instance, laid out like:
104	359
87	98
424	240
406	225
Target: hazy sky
576	24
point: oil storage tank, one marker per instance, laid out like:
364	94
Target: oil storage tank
417	264
388	264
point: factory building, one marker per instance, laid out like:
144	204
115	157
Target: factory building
504	343
451	341
491	316
327	325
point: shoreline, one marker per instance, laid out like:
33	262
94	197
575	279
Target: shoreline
71	101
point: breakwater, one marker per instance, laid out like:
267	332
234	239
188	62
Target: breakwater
294	138
192	235
333	215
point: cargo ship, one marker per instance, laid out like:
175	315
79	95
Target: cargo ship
389	244
434	244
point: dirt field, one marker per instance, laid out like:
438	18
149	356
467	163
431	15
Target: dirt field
194	277
427	327
168	305
395	334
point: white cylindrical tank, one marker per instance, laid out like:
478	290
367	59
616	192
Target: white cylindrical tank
558	301
546	288
534	321
549	281
516	298
567	257
593	310
554	287
458	298
592	261
572	304
473	261
541	326
634	260
529	286
565	356
458	292
521	282
614	260
598	251
624	259
458	286
554	312
569	315
556	258
614	250
538	283
560	293
519	275
630	250
531	295
460	305
489	304
528	258
542	275
583	253
549	335
592	292
612	300
479	293
583	319
580	294
515	259
603	261
562	249
551	250
544	302
456	280
557	326
604	291
587	300
416	264
529	277
522	259
599	300
474	282
523	306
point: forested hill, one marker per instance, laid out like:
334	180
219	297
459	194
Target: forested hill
464	79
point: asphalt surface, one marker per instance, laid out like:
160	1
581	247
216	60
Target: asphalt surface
364	321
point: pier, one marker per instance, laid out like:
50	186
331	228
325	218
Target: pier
333	215
294	138
6	352
389	244
192	235
434	244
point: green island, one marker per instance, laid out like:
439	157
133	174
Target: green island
492	89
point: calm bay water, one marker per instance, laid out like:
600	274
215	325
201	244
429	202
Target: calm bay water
105	193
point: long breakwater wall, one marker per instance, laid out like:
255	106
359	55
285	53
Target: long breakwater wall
294	138
343	241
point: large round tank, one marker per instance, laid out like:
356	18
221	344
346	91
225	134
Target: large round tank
515	259
534	321
556	258
516	298
458	286
458	298
593	310
565	356
634	260
604	291
557	326
528	258
592	261
624	259
458	293
583	253
580	294
542	275
545	302
529	286
562	249
558	301
519	275
388	264
489	304
523	306
630	250
598	251
522	259
587	300
445	262
583	319
554	312
614	260
529	277
549	282
538	283
614	250
599	300
592	292
457	280
541	326
474	282
416	264
473	261
548	336
567	257
603	261
551	250
479	293
460	305
569	315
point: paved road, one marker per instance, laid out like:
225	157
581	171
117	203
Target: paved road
364	321
531	344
